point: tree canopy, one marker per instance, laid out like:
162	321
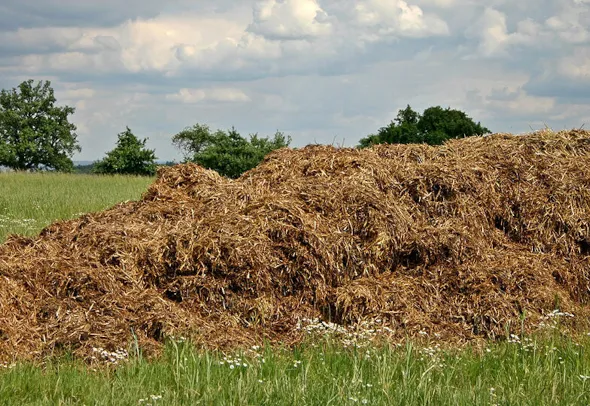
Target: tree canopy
226	152
130	157
35	133
434	126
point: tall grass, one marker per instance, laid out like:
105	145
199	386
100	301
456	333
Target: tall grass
548	372
31	201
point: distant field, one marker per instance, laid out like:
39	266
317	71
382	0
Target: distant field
31	201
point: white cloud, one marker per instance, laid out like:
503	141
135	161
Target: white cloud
442	3
189	96
242	54
135	46
493	32
280	37
576	66
289	19
572	23
512	99
495	40
316	69
76	93
152	44
397	17
41	39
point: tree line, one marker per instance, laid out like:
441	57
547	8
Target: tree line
36	134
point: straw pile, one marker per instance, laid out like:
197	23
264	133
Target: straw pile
459	241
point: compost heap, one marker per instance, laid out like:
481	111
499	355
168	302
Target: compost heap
457	241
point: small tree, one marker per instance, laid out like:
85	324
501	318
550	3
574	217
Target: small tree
34	133
228	153
129	157
434	126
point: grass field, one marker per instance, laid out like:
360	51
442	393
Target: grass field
530	373
526	371
31	201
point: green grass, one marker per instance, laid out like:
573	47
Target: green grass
31	201
552	371
547	372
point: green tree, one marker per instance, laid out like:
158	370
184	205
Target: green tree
35	133
129	157
86	169
228	153
434	126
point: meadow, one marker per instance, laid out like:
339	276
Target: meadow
548	369
31	201
546	372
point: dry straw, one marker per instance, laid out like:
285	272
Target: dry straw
459	241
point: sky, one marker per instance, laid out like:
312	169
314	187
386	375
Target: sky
321	71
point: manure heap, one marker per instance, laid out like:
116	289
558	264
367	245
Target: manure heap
458	241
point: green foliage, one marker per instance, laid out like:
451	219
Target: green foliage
130	157
434	126
34	133
86	169
228	153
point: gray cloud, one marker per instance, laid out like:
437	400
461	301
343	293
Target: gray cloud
561	88
15	14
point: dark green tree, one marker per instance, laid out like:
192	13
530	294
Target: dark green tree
130	157
434	126
437	122
86	169
35	134
228	153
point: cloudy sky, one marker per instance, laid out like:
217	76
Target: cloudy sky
323	71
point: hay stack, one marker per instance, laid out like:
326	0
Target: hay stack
457	240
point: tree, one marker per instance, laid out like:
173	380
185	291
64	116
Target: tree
35	133
228	153
85	169
434	126
129	157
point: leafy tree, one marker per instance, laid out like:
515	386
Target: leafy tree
452	123
434	126
129	157
35	133
228	153
86	169
407	116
